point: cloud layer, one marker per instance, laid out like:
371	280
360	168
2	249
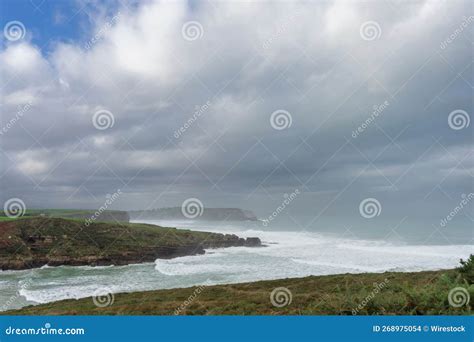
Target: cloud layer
367	87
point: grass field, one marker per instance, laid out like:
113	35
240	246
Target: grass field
106	215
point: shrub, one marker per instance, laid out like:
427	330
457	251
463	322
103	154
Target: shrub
467	269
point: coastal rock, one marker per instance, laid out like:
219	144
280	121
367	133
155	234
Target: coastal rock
253	242
37	241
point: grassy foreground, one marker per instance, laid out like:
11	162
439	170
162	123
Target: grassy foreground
420	293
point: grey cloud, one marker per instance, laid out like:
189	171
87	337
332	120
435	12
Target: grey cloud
306	58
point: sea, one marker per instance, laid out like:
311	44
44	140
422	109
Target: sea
286	254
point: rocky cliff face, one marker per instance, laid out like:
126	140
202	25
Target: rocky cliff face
208	214
34	242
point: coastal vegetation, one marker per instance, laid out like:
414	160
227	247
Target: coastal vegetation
35	241
104	216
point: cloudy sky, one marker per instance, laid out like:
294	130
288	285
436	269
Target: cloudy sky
239	103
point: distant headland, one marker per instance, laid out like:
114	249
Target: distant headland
207	214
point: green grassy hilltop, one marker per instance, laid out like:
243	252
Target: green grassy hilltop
102	216
36	241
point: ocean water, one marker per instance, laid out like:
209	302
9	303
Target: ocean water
287	254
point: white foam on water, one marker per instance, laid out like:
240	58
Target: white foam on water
287	254
60	293
350	267
176	268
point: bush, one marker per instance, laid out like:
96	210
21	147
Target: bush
467	269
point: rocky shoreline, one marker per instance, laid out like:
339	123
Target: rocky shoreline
36	242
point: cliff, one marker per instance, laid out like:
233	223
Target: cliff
208	214
36	241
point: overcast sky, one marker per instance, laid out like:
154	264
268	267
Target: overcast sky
171	100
